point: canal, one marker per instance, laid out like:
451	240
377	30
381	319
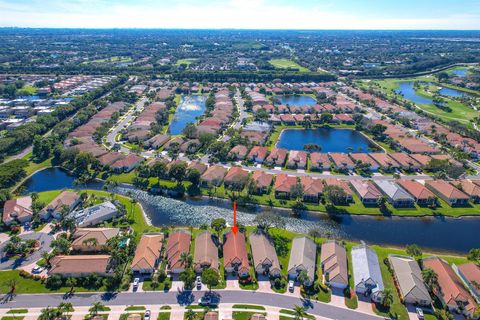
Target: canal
431	233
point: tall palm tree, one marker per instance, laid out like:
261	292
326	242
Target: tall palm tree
95	308
299	312
186	259
387	297
64	308
190	314
430	278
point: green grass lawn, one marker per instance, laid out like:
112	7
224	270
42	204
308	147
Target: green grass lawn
248	306
287	64
187	61
27	91
164	316
244	315
134	308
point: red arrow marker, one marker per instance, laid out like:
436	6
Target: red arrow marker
234	228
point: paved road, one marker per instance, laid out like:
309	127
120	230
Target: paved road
241	110
45	241
186	298
123	123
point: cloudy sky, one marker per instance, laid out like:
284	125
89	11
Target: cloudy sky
243	14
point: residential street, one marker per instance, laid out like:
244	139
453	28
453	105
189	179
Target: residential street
43	238
185	298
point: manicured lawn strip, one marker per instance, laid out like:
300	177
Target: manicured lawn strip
164	316
247	306
292	313
244	315
124	316
134	308
12	318
352	301
17	311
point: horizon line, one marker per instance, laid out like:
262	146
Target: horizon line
226	29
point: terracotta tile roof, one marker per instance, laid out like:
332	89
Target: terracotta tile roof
341	159
147	252
17	208
416	189
319	159
127	162
235	251
333	257
363	157
206	252
178	243
311	186
471	272
451	286
81	264
277	156
236	174
446	189
258	153
239	152
214	172
101	236
339	183
67	198
366	189
384	160
200	167
262	179
468	187
284	183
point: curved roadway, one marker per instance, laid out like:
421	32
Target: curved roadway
185	298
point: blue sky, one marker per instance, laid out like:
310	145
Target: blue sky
244	14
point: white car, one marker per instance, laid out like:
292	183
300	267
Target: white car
198	282
420	313
37	270
146	316
136	282
291	286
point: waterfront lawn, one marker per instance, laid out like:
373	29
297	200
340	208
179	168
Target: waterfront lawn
47	196
287	64
35	165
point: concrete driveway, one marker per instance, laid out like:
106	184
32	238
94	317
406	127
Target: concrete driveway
45	241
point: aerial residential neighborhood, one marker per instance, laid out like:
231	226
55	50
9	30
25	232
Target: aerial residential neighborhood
241	160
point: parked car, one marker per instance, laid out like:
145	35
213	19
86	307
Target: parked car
420	313
291	286
136	282
37	270
146	316
198	282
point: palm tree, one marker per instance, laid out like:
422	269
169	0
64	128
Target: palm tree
48	314
71	282
190	314
303	277
387	297
65	308
299	312
186	259
95	308
430	278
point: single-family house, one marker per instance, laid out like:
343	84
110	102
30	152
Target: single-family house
297	159
127	164
238	152
470	188
367	276
265	260
80	266
419	192
386	163
319	161
148	253
363	158
93	239
312	188
283	185
342	161
409	280
213	176
276	158
367	191
470	274
448	192
206	252
96	214
19	210
451	290
236	178
395	194
405	161
258	154
333	259
235	257
261	181
303	257
342	184
66	199
178	244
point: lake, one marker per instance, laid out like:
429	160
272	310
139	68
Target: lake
453	92
296	100
190	107
329	139
434	233
460	72
406	90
